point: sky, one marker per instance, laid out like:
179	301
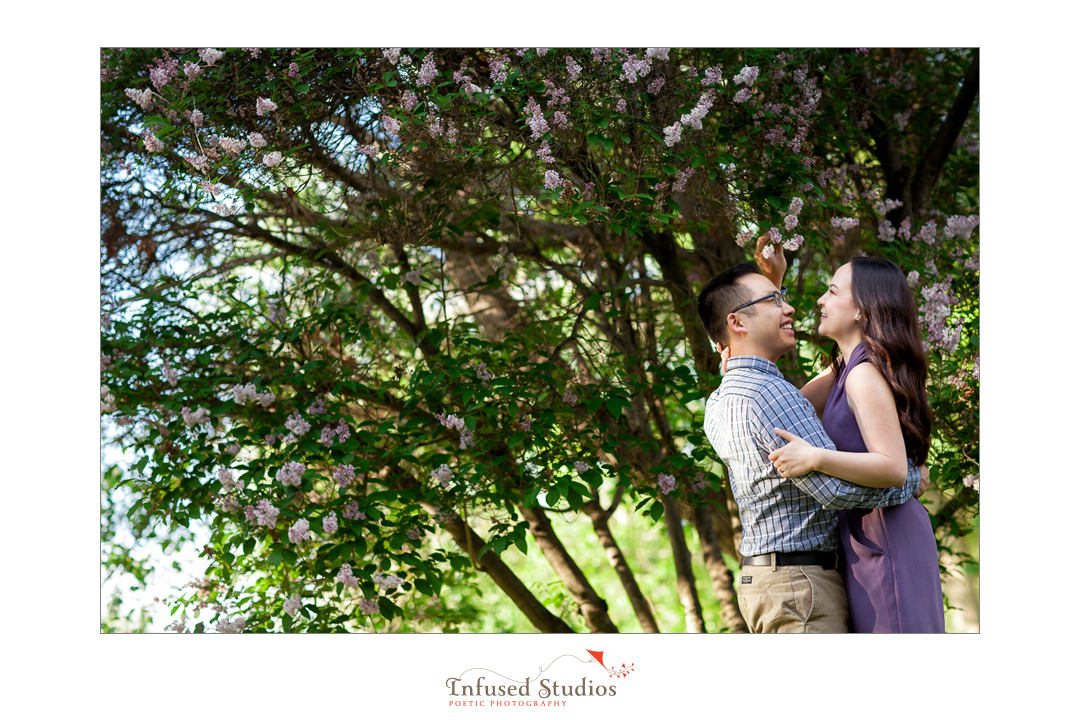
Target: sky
51	596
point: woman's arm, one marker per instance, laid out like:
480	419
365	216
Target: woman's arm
883	465
775	266
817	390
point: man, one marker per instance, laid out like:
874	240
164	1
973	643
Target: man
791	580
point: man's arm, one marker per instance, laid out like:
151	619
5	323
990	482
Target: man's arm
787	409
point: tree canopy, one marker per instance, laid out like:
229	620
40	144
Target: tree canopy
375	316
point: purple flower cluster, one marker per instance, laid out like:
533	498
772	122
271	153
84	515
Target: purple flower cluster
291	474
199	416
936	309
228	483
390	124
210	56
408	100
414	533
667	483
443	475
572	68
552	181
712	75
344	474
746	76
680	182
386	581
264	513
299	532
330	523
264	106
352	511
427	70
580	466
151	142
291	606
164	70
535	119
635	67
369	607
297	425
346	577
500	69
960	226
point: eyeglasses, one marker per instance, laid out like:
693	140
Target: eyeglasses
776	297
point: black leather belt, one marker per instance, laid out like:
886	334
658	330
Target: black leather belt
827	560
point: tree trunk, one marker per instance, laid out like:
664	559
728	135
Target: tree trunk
622	568
722	579
540	617
684	570
593	607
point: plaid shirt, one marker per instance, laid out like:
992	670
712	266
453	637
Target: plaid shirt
781	514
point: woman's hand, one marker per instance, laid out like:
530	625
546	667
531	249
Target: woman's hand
773	268
796	458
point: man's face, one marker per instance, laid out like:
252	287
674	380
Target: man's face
770	331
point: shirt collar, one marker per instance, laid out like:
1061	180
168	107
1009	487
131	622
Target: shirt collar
753	362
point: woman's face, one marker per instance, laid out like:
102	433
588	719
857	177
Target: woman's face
837	305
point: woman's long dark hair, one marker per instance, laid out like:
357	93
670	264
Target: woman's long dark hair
890	329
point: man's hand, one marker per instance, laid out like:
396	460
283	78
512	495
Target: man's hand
924	483
773	268
796	458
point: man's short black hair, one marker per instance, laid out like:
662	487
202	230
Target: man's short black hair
720	296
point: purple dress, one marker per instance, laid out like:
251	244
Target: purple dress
891	557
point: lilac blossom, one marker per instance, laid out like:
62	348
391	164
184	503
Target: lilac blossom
171	376
743	238
552	181
960	226
345	576
230	626
266	399
163	71
408	100
482	372
427	70
200	163
195	116
293	71
667	483
972	481
264	106
413	277
743	95
544	153
272	159
443	475
390	124
368	607
621	105
712	76
794	243
580	466
330	523
228	482
886	232
655	86
414	533
535	119
108	402
192	70
657	53
634	68
151	142
844	223
680	182
352	511
386	581
231	146
344	474
561	121
746	76
569	396
142	98
256	140
695	116
291	474
210	56
227	503
500	69
291	606
672	134
297	424
199	416
299	532
913	278
572	68
372	150
265	513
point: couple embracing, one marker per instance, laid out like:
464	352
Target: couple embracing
834	537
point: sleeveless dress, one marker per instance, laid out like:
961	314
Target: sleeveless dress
891	556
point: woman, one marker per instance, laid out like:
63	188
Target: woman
872	401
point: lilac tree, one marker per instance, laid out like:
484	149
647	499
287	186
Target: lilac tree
374	315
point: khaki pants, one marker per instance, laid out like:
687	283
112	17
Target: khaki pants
793	599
